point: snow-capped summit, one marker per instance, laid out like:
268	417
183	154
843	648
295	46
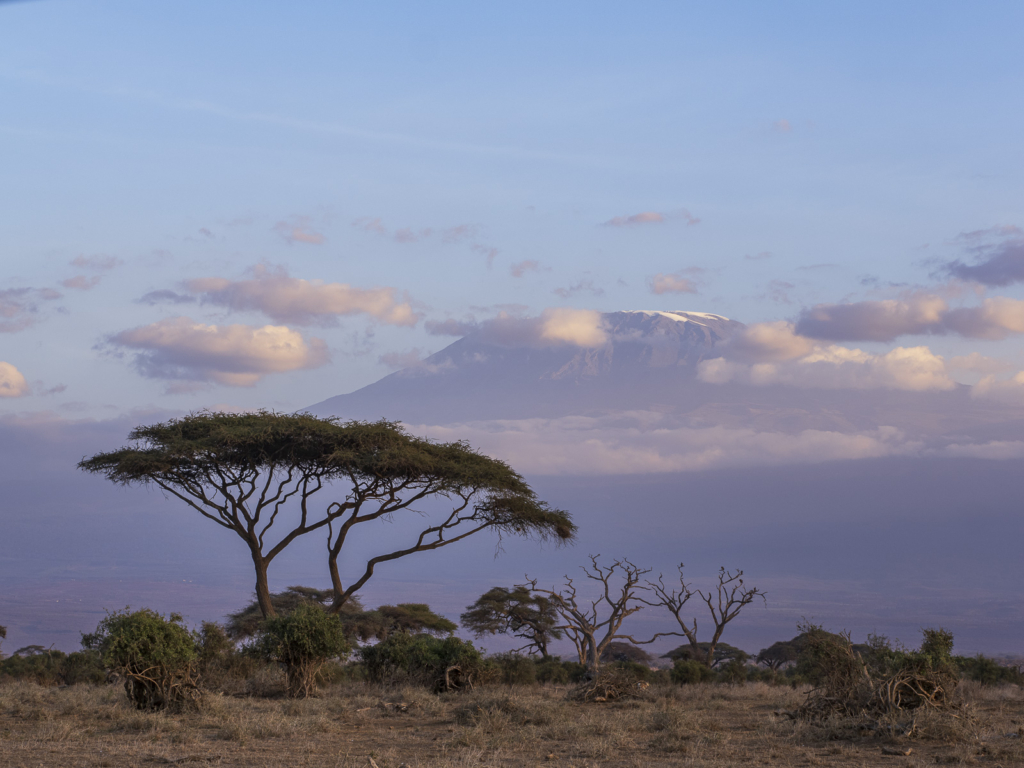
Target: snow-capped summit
559	361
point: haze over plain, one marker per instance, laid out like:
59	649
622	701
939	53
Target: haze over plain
235	208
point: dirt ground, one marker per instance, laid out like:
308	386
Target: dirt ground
350	725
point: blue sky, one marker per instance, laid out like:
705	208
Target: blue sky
254	204
852	144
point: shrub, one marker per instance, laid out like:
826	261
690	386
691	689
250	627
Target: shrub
303	641
441	664
554	670
879	679
83	667
690	672
157	656
515	669
988	671
733	672
35	663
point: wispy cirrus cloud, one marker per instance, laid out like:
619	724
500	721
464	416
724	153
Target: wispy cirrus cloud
450	327
12	381
287	299
166	296
299	229
652	217
81	282
520	268
98	262
19	307
452	235
235	355
583	286
671	283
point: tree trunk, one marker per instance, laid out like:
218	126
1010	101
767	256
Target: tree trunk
339	588
263	587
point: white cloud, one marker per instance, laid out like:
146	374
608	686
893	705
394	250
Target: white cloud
12	382
1008	391
642	443
554	327
287	299
771	353
237	355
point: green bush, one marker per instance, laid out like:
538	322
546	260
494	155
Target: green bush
735	671
303	641
690	672
34	663
552	670
442	664
83	667
158	657
988	671
514	669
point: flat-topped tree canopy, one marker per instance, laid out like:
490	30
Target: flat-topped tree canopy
248	471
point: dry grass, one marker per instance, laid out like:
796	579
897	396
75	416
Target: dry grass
700	726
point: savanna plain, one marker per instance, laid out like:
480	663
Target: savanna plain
358	724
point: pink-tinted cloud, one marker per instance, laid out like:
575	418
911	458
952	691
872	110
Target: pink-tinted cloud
917	313
287	299
370	224
782	126
652	217
12	382
298	229
98	263
520	268
485	250
236	355
674	283
81	282
583	286
554	327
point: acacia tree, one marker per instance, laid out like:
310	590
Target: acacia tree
516	612
725	603
248	472
581	618
475	492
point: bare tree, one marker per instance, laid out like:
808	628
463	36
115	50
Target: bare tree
581	618
724	603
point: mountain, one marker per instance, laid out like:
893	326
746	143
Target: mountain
648	357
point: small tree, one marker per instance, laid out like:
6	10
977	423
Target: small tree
516	612
723	653
581	619
406	618
777	655
156	656
625	652
724	605
303	641
3	636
